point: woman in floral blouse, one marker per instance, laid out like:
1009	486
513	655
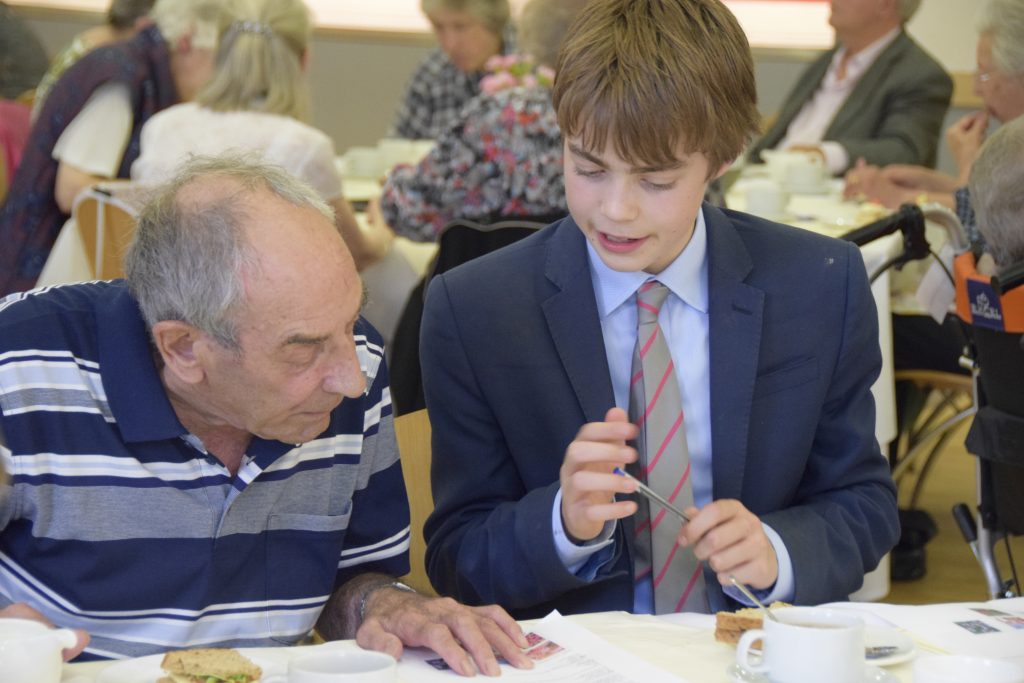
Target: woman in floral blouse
503	158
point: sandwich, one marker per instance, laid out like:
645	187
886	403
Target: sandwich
208	665
729	626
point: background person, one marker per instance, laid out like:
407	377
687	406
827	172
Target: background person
877	95
257	100
469	32
237	470
528	359
88	129
125	18
503	156
22	57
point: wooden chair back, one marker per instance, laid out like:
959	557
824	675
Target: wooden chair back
412	431
106	225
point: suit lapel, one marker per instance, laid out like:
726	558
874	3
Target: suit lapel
864	94
735	317
802	92
573	321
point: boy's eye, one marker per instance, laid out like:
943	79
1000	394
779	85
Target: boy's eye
655	185
588	172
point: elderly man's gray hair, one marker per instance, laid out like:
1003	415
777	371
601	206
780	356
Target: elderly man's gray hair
996	178
186	261
1003	22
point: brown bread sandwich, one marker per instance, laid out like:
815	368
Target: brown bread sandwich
208	665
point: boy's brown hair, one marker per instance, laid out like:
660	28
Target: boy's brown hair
651	75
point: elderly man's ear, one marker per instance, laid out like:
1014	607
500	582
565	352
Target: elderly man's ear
180	345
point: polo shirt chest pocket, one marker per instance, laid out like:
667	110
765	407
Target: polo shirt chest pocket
303	552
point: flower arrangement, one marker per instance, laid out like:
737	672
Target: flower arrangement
510	71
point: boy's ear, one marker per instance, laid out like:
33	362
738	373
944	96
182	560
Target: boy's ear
177	344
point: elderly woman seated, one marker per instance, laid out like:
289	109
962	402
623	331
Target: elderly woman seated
504	156
469	33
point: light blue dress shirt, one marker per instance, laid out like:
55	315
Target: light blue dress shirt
684	322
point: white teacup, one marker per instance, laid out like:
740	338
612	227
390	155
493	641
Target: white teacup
343	666
805	175
778	160
960	668
807	645
394	151
765	198
31	651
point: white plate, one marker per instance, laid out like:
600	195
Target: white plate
888	637
872	674
147	669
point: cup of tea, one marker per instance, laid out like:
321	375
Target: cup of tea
31	651
765	198
806	645
343	666
960	668
361	162
805	174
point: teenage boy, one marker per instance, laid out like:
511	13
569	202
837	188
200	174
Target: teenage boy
551	363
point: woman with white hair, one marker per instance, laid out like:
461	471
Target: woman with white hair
88	129
995	186
257	101
469	32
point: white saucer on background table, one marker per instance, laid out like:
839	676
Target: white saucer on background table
872	674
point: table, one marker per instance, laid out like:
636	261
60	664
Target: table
684	645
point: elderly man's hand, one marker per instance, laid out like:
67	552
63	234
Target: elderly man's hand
461	635
20	610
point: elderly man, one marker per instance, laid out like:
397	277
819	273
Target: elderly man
204	452
469	33
89	126
877	95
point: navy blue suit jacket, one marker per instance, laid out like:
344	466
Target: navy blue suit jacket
514	364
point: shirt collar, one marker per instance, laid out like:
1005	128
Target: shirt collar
866	57
686	276
131	379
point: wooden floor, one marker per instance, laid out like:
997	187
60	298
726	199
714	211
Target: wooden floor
953	574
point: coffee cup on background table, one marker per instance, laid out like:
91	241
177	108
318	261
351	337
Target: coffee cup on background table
806	645
765	198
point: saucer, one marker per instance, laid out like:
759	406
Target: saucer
872	674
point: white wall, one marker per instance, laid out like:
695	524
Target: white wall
357	79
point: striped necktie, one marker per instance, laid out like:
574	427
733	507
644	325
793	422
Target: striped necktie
656	407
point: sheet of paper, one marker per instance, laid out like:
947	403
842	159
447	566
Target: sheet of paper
562	651
988	629
936	293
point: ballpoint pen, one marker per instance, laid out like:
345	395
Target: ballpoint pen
649	494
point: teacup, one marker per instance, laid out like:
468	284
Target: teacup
807	645
31	651
805	175
343	666
959	668
394	151
765	198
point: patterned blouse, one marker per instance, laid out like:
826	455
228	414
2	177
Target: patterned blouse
504	158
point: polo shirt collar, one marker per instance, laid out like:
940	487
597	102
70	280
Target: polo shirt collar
686	276
136	395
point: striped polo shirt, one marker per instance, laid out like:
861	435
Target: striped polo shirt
117	520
